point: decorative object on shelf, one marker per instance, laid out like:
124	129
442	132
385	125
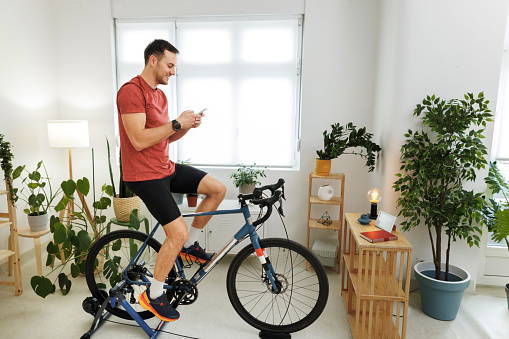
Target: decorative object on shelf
125	202
385	221
246	177
325	192
38	197
339	140
325	219
364	219
374	197
436	164
496	213
6	165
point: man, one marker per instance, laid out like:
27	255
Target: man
145	134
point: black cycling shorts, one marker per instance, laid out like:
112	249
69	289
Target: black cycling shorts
156	193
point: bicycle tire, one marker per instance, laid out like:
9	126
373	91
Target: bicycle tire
115	255
285	312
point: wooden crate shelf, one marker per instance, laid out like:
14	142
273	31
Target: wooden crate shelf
375	282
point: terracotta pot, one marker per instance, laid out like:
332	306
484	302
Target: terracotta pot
192	201
322	167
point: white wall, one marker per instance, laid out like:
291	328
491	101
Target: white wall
445	48
28	96
365	61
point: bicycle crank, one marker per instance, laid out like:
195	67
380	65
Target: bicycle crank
183	290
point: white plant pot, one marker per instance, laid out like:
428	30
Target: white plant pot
38	222
247	189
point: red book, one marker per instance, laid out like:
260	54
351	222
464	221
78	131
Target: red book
378	236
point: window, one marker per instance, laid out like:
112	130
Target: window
245	71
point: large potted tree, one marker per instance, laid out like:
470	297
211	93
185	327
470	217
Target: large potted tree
339	140
435	166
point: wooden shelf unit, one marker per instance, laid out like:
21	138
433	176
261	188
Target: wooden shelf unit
335	201
372	281
8	219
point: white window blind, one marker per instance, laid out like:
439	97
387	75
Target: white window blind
246	72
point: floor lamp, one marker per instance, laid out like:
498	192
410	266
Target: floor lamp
69	134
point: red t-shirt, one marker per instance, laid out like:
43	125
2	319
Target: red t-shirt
136	96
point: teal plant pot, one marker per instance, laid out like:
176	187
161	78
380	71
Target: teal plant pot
507	294
441	299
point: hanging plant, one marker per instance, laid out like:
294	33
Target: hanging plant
6	164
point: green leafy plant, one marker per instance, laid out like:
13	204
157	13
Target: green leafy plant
72	236
6	164
496	211
342	138
247	175
436	165
124	191
37	193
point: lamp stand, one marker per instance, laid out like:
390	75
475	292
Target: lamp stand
373	213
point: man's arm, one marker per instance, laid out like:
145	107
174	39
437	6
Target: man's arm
141	137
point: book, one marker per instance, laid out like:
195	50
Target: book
378	236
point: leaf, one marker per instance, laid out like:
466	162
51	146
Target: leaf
117	245
64	283
62	204
84	186
35	176
60	233
75	270
42	286
133	219
84	241
69	187
17	172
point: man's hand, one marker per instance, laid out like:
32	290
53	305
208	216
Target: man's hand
188	119
197	121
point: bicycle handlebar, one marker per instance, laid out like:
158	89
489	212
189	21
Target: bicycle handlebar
256	198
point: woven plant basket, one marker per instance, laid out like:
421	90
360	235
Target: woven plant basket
124	206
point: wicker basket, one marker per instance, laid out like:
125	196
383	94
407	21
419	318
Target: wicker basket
124	206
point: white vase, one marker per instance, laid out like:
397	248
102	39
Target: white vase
325	192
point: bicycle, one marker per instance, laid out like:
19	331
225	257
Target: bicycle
268	282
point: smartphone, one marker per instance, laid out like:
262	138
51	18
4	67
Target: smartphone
202	111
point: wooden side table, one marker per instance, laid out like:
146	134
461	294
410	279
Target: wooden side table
372	281
25	232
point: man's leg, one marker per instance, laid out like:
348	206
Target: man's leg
176	236
154	299
214	191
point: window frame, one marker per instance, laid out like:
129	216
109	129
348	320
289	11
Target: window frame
174	101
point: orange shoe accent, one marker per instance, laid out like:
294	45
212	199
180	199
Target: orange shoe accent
145	303
185	256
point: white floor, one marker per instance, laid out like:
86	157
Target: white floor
483	314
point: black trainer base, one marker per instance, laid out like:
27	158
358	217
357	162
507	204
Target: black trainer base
274	335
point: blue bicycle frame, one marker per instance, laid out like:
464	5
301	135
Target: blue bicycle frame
247	229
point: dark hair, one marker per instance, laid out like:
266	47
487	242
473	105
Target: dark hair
157	48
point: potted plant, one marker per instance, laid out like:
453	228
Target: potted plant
37	194
496	211
125	202
246	177
73	237
192	199
6	164
342	138
435	166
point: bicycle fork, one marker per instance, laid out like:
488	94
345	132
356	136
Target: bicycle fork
265	262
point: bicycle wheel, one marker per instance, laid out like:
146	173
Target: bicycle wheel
107	260
302	293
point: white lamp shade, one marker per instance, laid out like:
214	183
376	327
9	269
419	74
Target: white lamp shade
68	133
